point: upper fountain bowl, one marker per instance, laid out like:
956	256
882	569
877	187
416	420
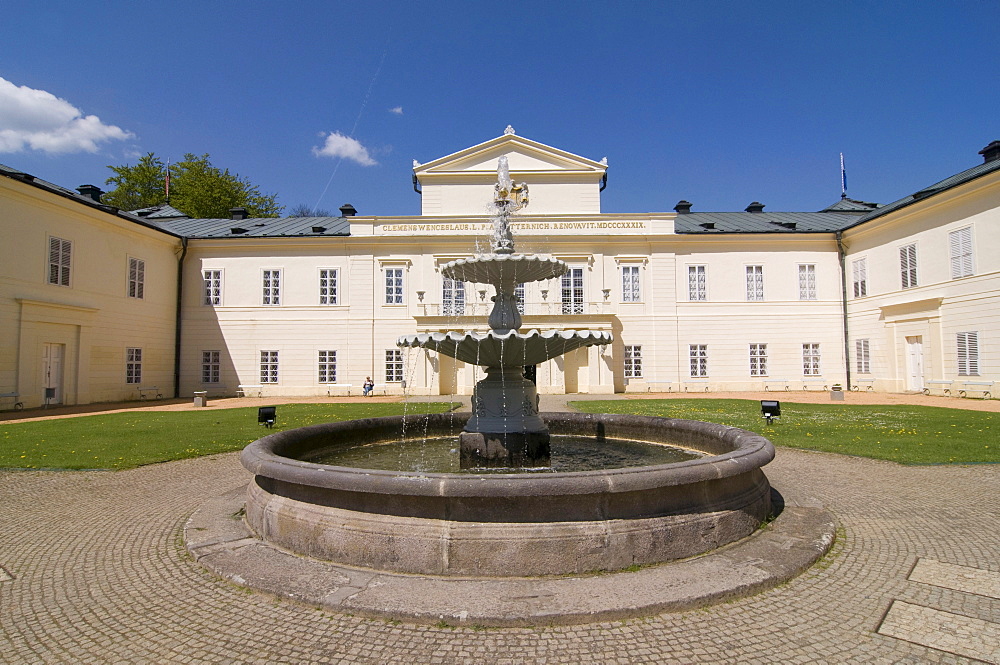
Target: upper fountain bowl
506	349
505	268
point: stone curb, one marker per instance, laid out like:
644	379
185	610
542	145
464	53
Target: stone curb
219	539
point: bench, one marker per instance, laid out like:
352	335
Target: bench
696	384
980	386
248	390
807	383
869	384
929	386
334	386
784	383
18	404
669	386
146	391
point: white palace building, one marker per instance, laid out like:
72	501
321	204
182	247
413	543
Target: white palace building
98	304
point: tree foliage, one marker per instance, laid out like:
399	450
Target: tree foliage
197	188
303	210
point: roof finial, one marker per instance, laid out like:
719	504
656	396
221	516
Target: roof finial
509	130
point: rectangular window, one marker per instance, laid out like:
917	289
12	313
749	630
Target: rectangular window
810	359
908	265
210	366
393	365
268	366
862	353
133	365
630	284
758	360
699	360
327	366
136	278
633	362
393	286
968	354
960	242
755	283
572	291
272	287
453	297
328	286
860	268
519	296
807	281
212	280
60	254
697	282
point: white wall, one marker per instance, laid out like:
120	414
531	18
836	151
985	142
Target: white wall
92	320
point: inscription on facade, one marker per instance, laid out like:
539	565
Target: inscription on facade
480	227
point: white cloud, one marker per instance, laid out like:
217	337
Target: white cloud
39	120
398	110
338	145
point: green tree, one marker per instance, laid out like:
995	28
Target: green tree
302	210
139	186
197	188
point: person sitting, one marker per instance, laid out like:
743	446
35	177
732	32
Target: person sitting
368	387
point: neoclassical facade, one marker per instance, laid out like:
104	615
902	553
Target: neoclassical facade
891	298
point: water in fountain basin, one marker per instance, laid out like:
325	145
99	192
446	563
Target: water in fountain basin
437	455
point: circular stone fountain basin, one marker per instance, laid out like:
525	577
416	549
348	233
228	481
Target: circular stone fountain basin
508	524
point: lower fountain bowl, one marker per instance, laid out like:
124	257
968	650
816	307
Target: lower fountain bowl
517	524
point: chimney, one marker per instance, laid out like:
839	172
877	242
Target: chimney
347	210
683	207
756	206
991	153
237	213
90	191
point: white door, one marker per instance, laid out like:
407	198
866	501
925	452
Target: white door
915	363
52	369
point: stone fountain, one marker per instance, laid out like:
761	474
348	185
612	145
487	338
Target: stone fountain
520	521
505	429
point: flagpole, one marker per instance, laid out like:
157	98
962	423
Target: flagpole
843	178
167	184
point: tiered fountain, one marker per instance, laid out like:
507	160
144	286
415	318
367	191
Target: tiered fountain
505	429
517	522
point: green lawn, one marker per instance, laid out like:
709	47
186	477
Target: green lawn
905	434
128	440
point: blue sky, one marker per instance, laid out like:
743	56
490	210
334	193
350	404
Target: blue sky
716	103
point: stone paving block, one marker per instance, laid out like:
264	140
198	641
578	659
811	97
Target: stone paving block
960	578
964	636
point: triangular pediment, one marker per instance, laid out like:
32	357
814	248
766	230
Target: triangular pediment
523	155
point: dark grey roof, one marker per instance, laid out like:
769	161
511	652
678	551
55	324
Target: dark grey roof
29	179
762	222
851	205
260	227
954	181
162	211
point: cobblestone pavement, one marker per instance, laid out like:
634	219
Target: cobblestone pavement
92	570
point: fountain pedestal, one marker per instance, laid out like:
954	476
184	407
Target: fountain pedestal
505	429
